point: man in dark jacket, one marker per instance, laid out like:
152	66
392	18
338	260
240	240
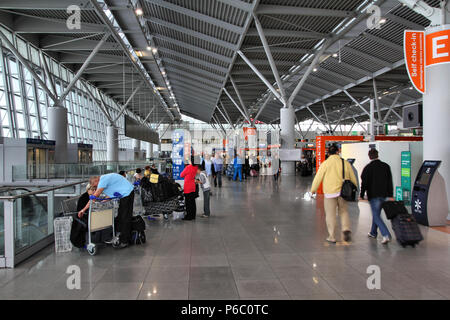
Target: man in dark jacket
376	179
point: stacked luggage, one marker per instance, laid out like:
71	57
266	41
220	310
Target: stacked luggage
404	224
161	195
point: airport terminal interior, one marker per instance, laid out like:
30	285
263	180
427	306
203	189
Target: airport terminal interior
224	150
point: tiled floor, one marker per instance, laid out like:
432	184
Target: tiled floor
263	241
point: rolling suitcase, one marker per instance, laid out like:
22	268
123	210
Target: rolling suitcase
406	230
394	208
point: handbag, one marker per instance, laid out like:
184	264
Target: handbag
348	189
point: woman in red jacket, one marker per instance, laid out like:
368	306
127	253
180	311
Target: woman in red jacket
189	174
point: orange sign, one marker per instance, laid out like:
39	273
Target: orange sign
414	50
248	131
438	47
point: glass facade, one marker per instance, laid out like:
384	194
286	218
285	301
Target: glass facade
23	103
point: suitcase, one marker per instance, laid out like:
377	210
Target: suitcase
394	208
406	230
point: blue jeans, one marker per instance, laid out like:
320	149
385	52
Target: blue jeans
237	170
377	222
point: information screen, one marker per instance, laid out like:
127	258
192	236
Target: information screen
424	178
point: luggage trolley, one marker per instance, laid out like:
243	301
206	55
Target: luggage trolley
102	212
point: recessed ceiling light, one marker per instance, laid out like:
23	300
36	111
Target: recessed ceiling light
154	50
383	20
149	48
335	55
139	12
315	69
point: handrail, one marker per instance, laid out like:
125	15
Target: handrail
23	195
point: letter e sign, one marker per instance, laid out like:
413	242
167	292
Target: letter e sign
438	47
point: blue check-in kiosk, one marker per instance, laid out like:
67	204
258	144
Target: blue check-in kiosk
429	203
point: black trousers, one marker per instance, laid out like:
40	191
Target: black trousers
191	207
125	213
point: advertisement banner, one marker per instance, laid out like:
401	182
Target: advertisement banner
406	176
414	51
177	153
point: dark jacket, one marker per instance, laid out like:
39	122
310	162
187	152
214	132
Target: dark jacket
376	179
82	201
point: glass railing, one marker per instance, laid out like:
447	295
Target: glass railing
77	170
26	220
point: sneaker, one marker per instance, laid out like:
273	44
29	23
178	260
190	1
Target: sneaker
205	216
331	240
347	236
385	240
371	236
122	245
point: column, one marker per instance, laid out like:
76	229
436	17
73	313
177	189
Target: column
137	149
436	115
287	137
112	144
136	145
372	120
57	131
149	151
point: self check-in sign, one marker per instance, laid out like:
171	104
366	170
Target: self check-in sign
425	50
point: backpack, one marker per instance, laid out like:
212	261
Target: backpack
137	230
348	190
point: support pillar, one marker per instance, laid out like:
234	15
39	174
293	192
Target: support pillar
436	113
57	131
149	151
112	144
137	144
372	120
287	137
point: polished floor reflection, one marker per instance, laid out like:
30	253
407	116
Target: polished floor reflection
263	241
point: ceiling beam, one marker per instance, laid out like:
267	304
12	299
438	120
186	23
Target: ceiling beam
197	15
42	5
303	11
36	25
58	43
191	76
191	47
368	57
193	60
287	33
193	33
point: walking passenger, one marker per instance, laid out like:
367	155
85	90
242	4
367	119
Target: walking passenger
218	168
376	180
330	174
189	174
203	181
237	163
112	184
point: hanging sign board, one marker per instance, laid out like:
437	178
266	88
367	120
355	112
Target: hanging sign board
414	50
438	47
425	50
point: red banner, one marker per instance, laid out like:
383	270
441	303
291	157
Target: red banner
414	50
